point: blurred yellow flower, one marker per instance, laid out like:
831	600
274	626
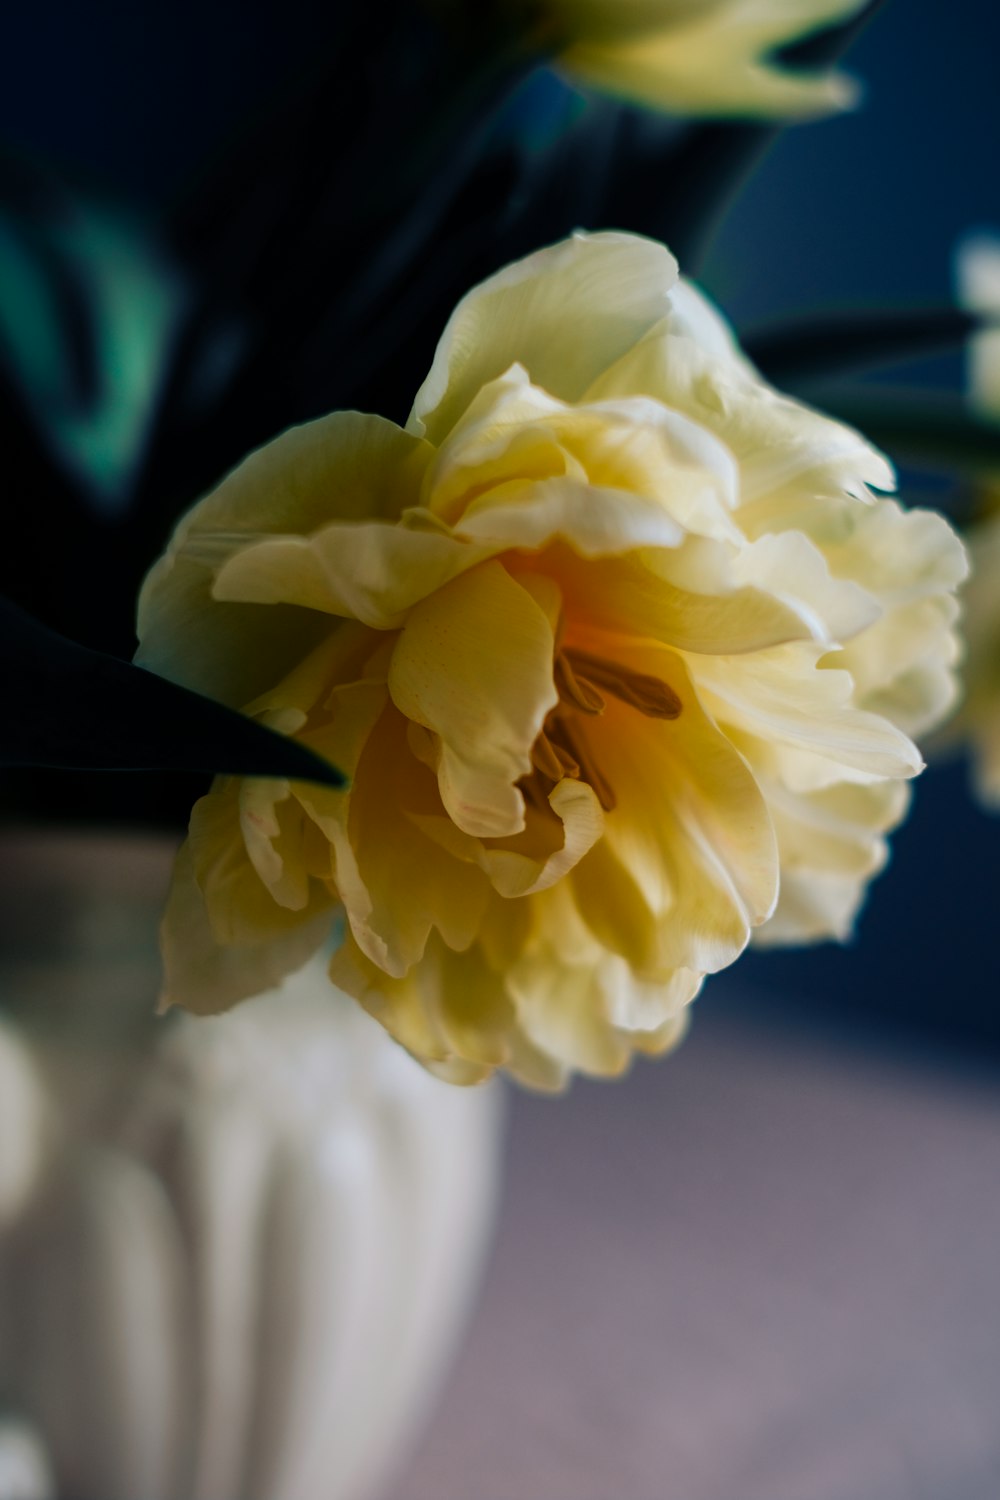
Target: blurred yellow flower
979	719
619	651
700	56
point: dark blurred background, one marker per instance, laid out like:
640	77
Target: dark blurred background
130	103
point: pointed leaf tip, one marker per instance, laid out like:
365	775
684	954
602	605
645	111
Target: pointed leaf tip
73	708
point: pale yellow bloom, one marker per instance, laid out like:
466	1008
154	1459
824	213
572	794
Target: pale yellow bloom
700	56
979	719
618	649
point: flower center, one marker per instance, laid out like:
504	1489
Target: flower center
584	682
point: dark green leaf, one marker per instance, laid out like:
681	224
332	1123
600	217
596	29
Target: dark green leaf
302	235
933	430
68	707
845	342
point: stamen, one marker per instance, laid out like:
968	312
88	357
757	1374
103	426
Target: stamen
557	740
545	758
589	771
533	793
649	695
574	690
561	749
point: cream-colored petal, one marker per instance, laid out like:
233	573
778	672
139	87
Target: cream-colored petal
636	446
788	455
897	555
398	884
242	905
565	313
584	1005
373	572
649	1011
452	1011
206	975
596	522
919	699
786	696
638	596
690	827
271	828
519	867
510	432
790	567
694	316
915	633
716	60
816	906
473	664
345	466
831	842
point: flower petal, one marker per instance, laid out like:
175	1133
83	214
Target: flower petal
713	59
565	313
585	1006
397	883
788	455
637	596
691	826
519	867
473	664
832	843
786	696
265	941
453	1012
344	465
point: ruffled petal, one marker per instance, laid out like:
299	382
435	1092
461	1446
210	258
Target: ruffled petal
793	696
789	456
473	664
518	441
538	858
831	843
688	601
345	465
452	1012
372	572
579	1003
207	976
690	827
398	884
896	555
565	314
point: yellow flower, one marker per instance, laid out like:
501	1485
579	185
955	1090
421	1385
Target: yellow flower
700	56
979	719
609	639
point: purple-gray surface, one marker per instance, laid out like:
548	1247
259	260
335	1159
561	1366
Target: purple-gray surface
763	1269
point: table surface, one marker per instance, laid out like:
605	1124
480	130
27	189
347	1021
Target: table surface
762	1269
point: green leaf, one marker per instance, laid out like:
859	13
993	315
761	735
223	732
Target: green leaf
934	430
857	339
72	708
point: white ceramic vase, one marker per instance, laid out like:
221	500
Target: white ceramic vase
236	1254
